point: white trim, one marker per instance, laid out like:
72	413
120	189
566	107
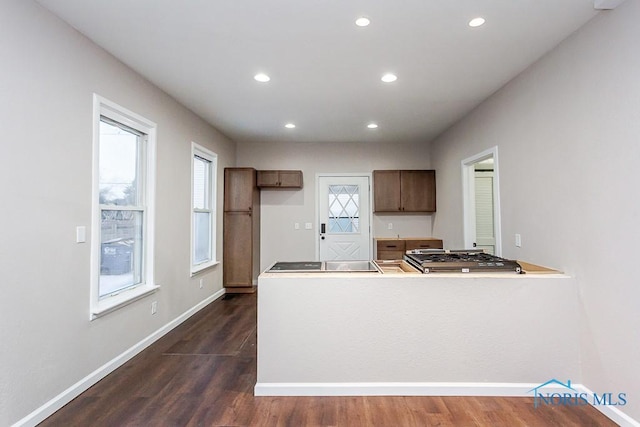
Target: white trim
395	389
76	389
611	412
202	267
369	176
468	191
429	389
205	153
98	306
121	299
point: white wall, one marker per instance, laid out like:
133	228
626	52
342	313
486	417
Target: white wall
451	328
567	130
48	75
282	208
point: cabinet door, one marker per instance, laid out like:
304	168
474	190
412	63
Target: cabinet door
389	249
268	178
386	191
418	191
238	249
239	186
423	244
280	179
290	179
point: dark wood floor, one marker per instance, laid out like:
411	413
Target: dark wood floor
203	372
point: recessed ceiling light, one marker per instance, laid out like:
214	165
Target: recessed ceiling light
262	78
362	21
290	126
388	78
372	126
476	22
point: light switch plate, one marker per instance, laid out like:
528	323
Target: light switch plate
81	234
308	226
518	241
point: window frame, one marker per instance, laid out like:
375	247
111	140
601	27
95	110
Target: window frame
147	169
198	150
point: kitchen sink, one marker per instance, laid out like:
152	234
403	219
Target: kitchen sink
351	266
324	267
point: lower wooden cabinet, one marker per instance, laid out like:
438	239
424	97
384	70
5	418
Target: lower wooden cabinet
241	261
389	248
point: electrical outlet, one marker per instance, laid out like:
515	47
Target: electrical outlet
154	307
390	226
201	283
518	241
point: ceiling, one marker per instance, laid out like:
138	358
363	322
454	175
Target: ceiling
325	71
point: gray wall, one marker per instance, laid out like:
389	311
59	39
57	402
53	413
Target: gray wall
281	209
567	131
48	75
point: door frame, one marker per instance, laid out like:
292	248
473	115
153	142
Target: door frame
469	194
369	176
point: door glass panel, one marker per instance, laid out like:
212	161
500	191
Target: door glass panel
344	209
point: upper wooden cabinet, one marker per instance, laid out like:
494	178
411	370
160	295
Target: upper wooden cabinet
240	191
404	191
280	179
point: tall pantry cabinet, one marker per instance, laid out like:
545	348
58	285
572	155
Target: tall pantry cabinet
241	239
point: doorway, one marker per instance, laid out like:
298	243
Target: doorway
344	217
481	202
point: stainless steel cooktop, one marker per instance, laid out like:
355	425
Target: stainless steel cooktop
460	261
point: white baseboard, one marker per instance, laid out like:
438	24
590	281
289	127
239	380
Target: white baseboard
611	412
394	389
428	389
78	388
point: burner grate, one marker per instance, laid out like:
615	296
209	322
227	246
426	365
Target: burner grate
460	261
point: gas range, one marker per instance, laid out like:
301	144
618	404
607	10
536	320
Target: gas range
459	261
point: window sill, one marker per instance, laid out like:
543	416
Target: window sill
201	267
115	302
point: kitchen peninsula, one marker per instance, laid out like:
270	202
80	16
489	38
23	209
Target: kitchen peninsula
364	333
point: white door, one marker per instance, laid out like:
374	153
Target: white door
481	202
485	233
343	213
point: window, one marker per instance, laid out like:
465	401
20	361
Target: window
122	231
344	215
203	198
